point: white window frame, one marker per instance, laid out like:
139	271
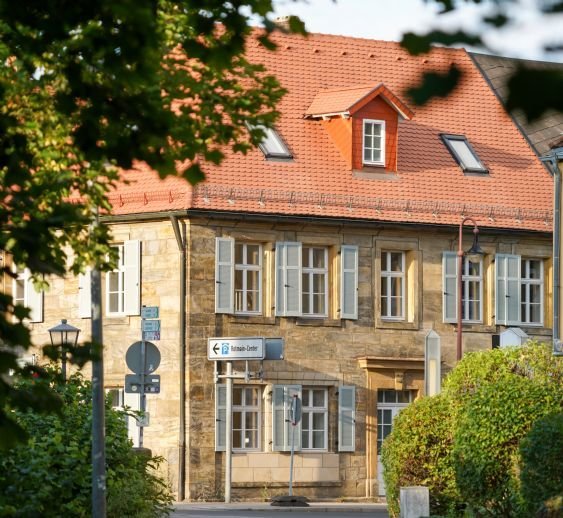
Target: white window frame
466	280
120	273
307	281
32	299
129	280
244	408
310	410
387	276
272	144
245	268
526	282
381	124
451	140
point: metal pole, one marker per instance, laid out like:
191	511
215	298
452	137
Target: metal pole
229	433
63	361
459	351
143	402
98	417
291	459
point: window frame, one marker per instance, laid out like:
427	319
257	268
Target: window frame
387	276
381	124
120	271
32	299
273	135
244	408
310	410
527	282
448	138
245	268
309	272
466	280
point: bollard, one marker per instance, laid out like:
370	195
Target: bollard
414	502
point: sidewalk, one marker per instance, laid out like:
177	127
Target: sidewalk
315	507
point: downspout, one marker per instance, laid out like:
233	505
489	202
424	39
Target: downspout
181	240
554	161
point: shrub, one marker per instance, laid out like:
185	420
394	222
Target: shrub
50	476
418	452
541	464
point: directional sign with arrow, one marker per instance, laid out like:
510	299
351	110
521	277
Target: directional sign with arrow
235	349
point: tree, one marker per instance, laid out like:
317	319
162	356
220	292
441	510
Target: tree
522	86
88	88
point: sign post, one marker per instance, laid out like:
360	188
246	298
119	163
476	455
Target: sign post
295	418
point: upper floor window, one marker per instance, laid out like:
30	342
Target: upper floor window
123	286
248	278
464	154
374	142
519	290
471	289
25	294
314	294
393	285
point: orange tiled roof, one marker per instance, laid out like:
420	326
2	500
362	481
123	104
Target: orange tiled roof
428	187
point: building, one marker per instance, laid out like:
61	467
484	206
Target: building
339	235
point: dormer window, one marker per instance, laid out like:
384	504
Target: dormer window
464	154
272	144
374	142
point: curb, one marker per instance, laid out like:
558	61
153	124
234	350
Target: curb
314	507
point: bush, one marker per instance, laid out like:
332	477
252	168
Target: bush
418	452
50	476
541	464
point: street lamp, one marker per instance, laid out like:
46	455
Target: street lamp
474	250
65	336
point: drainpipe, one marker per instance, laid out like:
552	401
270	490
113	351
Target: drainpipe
181	240
554	161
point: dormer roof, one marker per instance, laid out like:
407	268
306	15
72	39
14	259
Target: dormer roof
345	101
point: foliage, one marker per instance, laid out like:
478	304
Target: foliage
90	87
418	452
523	84
50	476
464	444
541	467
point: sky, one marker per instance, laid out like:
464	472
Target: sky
388	19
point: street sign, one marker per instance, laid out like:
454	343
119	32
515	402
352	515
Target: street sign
295	410
133	384
235	349
151	335
150	325
133	358
149	312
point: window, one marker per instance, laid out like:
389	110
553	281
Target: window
314	420
314	263
272	144
464	154
471	289
121	400
519	295
238	277
389	403
246	417
374	142
393	285
25	294
123	290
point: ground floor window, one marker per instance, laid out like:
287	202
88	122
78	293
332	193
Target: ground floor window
314	421
246	418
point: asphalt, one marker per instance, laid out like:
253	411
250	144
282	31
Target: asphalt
314	507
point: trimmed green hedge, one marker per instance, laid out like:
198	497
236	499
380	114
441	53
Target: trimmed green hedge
50	476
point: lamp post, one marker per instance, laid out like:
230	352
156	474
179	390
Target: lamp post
65	336
474	250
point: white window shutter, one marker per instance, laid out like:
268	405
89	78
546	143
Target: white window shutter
84	295
133	402
220	417
449	286
346	418
282	429
224	274
507	297
349	282
34	299
288	279
132	277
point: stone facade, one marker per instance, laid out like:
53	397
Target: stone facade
369	353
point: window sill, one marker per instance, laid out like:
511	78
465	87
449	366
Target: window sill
393	324
252	319
318	322
375	173
116	320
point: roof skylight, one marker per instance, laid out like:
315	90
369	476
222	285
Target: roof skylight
273	145
464	154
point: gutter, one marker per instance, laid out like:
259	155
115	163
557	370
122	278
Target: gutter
182	242
554	161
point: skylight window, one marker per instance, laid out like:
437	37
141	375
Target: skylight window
272	144
464	154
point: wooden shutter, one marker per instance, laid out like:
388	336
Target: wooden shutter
224	274
349	282
220	417
288	279
132	277
346	418
84	295
507	297
449	285
282	429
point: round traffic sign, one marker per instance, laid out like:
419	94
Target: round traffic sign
133	358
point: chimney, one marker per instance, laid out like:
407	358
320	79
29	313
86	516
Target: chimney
282	22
